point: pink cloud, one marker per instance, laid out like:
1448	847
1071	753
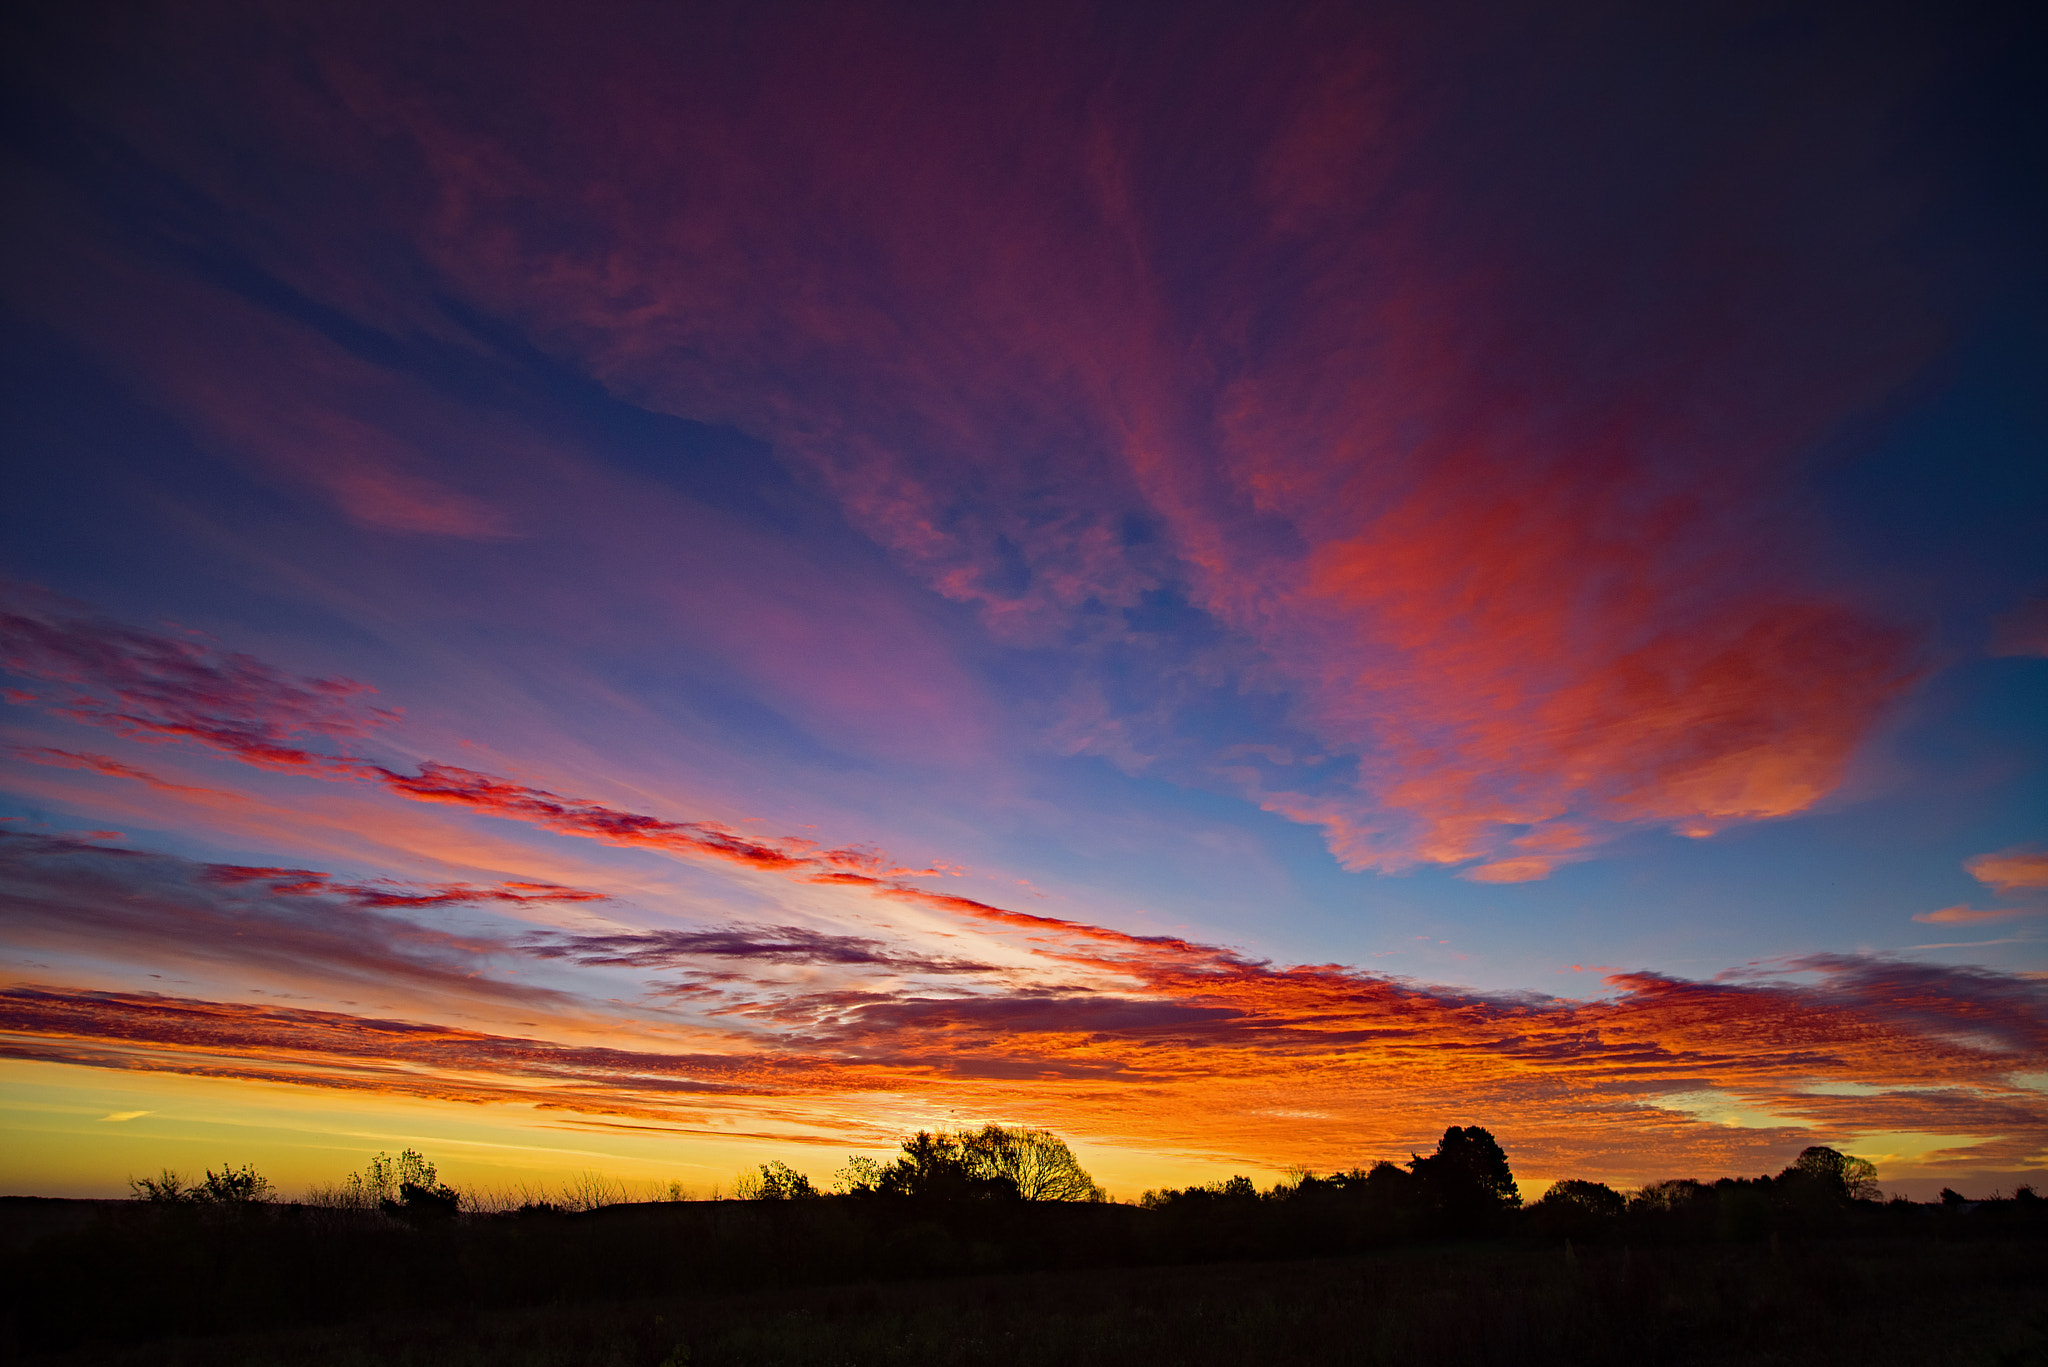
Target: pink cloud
1521	869
1959	915
99	764
1514	546
1526	592
2021	868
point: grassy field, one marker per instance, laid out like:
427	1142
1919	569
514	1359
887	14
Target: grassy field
1855	1302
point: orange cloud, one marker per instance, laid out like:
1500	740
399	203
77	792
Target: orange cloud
1957	915
1521	869
1137	1040
2021	868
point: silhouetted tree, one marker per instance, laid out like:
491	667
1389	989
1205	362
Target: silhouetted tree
937	1167
1677	1195
1037	1162
1838	1174
1574	1209
1467	1180
1232	1189
776	1181
993	1162
1593	1198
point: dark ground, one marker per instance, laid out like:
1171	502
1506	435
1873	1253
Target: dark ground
1859	1302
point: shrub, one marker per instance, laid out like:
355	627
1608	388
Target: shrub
166	1188
231	1186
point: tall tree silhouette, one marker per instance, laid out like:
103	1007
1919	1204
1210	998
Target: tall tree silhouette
1467	1180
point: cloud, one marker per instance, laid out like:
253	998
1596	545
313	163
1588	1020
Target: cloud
1494	539
755	944
151	686
2021	868
385	892
100	764
1203	1058
1957	915
156	688
120	1117
1154	1040
1523	869
285	929
1485	487
1073	1000
1479	489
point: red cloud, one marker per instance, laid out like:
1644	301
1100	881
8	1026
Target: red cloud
155	687
95	764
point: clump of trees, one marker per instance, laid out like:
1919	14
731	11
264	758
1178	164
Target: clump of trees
993	1163
1464	1186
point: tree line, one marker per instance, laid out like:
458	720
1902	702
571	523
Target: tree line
1464	1187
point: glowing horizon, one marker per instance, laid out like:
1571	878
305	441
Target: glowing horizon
672	590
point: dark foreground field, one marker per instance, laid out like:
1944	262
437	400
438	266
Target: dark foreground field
1853	1301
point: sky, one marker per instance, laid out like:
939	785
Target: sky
638	589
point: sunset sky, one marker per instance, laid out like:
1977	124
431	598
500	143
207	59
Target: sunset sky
641	588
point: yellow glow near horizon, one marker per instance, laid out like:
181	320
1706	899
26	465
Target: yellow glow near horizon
83	1132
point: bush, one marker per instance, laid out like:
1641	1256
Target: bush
231	1186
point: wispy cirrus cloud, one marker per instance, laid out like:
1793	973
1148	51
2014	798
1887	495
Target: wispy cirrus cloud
153	686
1516	550
101	764
1489	558
289	929
156	688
